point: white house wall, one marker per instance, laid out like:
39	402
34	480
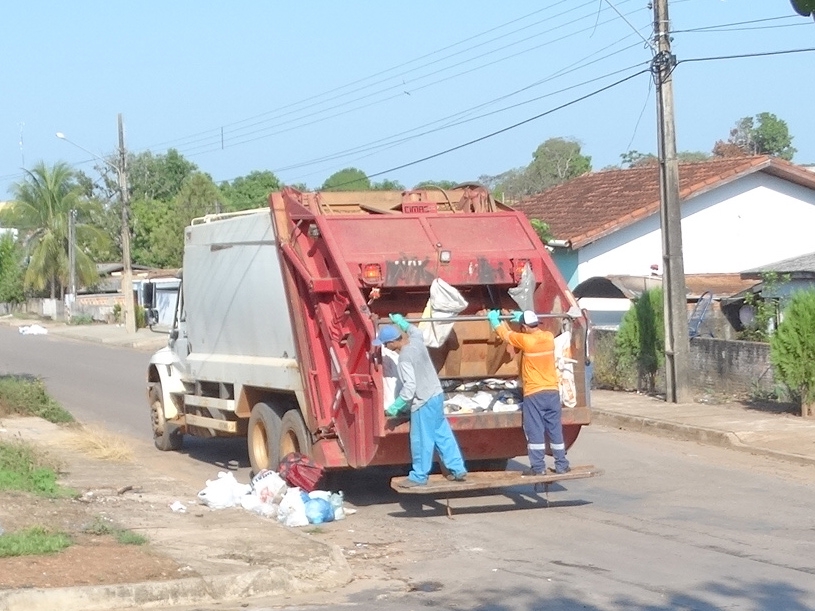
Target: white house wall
756	220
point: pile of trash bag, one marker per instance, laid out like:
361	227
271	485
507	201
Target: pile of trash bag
269	495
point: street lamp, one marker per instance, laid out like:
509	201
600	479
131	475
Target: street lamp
127	270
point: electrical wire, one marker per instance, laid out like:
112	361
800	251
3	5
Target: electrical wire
725	25
745	55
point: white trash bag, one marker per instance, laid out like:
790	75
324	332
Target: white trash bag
292	509
565	369
223	492
445	301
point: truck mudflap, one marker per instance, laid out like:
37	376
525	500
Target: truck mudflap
438	485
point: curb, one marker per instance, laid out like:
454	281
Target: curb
188	591
715	437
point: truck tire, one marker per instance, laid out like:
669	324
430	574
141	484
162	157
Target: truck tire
263	438
294	436
166	437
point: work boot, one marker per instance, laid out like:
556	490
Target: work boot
409	483
561	472
461	477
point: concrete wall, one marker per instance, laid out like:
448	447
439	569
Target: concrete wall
730	367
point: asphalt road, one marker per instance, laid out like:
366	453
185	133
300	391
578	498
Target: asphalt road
671	524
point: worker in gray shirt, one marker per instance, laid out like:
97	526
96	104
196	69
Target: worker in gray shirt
421	392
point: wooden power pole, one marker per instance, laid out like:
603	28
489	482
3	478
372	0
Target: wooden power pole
127	268
677	346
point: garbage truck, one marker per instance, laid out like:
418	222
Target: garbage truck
271	338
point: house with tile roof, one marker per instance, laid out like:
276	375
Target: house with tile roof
737	214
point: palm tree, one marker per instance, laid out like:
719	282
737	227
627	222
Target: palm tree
42	202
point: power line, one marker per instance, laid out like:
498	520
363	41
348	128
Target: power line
744	55
265	133
725	25
506	129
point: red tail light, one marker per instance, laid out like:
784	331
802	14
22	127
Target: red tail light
372	273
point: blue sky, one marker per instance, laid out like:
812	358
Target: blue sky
292	86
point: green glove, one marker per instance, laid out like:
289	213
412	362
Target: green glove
396	407
517	315
493	317
400	321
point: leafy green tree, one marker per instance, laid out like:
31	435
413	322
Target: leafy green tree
805	8
250	191
198	196
635	159
388	185
11	270
349	179
765	134
158	234
42	201
641	338
158	176
792	350
553	162
542	229
442	184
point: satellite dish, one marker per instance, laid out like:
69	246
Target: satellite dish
747	314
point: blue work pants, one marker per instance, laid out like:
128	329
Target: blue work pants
429	429
542	423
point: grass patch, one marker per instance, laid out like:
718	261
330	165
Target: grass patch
33	541
102	526
24	468
101	444
26	396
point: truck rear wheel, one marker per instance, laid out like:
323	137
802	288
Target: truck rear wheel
263	439
166	437
294	436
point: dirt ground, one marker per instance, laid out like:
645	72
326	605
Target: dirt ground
91	560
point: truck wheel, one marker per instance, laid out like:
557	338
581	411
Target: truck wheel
294	437
263	438
165	435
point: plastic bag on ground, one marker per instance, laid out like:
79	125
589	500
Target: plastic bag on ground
336	500
319	510
268	486
223	492
292	509
445	301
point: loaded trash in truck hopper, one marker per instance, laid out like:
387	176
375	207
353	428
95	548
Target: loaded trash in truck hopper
277	314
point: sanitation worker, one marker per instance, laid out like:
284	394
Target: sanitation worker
420	392
541	404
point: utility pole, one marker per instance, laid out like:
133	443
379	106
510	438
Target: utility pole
127	269
71	298
677	347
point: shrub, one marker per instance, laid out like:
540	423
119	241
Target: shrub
28	397
792	350
81	319
608	372
641	338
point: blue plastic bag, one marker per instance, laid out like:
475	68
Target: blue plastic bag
319	511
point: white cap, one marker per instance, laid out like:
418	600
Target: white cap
530	319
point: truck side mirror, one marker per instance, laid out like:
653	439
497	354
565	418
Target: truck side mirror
149	295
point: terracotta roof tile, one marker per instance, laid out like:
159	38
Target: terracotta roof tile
591	206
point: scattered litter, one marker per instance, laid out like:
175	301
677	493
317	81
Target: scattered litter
178	507
223	492
33	330
269	495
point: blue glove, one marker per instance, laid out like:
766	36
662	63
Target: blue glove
396	407
400	321
517	315
492	316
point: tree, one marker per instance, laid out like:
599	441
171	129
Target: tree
250	191
388	185
442	184
349	179
542	229
765	134
641	338
42	202
158	177
11	270
553	162
792	350
635	159
158	234
805	8
198	196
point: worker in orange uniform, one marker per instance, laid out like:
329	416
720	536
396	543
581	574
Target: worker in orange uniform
541	404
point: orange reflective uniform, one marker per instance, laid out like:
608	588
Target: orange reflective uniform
538	367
